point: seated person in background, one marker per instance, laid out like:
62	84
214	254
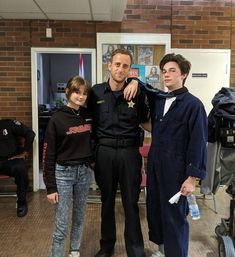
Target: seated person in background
13	156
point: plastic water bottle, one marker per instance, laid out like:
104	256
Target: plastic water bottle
193	207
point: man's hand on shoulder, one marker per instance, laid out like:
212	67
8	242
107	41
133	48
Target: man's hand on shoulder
131	89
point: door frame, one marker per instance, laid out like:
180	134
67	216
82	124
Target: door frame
34	93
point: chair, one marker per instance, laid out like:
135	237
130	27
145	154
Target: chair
144	150
6	194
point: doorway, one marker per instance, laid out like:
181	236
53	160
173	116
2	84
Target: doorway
51	69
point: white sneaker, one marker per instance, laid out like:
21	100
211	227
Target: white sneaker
74	254
158	254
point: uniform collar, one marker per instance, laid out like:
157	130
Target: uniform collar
107	87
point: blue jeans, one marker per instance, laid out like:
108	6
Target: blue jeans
73	183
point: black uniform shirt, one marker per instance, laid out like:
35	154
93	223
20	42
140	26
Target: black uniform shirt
115	117
10	131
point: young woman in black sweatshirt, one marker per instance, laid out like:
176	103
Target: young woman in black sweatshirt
67	155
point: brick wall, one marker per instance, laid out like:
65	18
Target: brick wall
192	24
16	39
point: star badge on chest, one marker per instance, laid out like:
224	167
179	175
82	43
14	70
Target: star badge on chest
131	104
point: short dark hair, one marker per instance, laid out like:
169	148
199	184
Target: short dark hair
74	85
183	63
121	51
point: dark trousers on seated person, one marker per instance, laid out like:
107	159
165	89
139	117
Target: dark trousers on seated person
16	168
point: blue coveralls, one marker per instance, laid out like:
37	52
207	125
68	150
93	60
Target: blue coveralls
178	150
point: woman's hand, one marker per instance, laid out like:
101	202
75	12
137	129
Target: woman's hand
53	198
131	90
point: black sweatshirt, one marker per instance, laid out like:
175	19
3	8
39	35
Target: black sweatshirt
67	142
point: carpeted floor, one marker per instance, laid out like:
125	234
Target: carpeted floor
31	236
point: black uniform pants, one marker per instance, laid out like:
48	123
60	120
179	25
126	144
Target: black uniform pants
16	168
121	166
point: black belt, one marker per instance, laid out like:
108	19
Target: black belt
113	142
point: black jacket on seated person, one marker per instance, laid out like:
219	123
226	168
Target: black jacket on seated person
10	131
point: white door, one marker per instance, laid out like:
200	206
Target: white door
209	73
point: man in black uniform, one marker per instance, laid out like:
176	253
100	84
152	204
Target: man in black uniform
12	157
117	159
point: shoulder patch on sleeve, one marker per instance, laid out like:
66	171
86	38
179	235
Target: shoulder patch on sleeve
17	122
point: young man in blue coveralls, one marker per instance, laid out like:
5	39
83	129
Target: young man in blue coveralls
177	156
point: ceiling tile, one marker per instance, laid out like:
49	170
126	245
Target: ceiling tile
107	10
64	6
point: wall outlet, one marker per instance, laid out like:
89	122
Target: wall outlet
48	32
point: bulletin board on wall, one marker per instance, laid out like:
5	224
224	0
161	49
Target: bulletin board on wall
146	60
147	50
